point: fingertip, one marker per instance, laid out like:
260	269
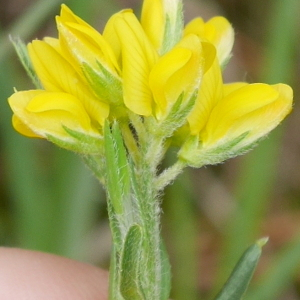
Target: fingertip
33	275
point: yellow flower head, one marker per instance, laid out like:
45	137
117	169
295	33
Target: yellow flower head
228	119
155	68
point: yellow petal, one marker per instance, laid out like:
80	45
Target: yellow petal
195	26
218	31
138	58
177	72
210	93
57	75
254	108
153	21
46	113
86	45
48	102
110	35
53	42
68	16
162	21
231	87
22	128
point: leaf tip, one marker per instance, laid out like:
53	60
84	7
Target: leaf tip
262	242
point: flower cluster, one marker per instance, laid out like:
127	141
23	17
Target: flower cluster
155	68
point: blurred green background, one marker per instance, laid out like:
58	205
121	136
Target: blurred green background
49	200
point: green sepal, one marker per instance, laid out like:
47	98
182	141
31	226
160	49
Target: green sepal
194	155
172	34
92	144
237	283
105	85
23	55
130	287
78	142
177	115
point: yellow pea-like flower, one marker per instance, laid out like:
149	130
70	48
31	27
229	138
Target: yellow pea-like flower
38	113
58	75
155	68
228	118
253	109
83	43
138	58
217	31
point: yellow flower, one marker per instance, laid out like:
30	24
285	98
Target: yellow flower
228	118
155	68
45	113
217	31
91	56
138	57
254	109
67	104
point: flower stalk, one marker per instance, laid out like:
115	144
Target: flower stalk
134	212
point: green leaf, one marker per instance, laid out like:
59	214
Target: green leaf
114	189
280	275
130	265
123	164
237	283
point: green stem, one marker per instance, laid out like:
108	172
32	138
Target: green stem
134	213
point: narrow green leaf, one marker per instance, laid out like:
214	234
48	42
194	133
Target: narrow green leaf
123	167
279	276
237	283
130	265
113	188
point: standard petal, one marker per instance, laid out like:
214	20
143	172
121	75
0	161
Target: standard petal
138	58
110	35
68	16
210	93
153	21
86	45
